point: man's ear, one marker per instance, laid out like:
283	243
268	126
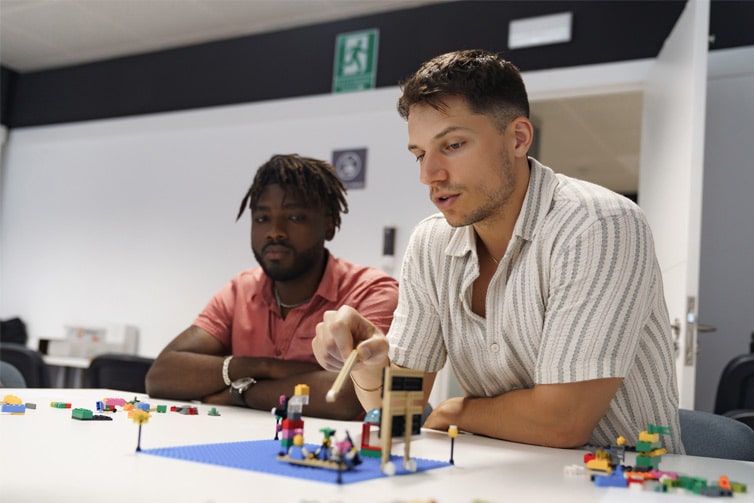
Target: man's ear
523	131
329	228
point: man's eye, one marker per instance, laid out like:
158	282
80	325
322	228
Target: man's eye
260	220
455	146
419	157
296	218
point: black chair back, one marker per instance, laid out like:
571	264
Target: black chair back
13	330
123	372
745	416
736	388
29	362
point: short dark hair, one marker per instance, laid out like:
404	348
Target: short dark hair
316	181
490	84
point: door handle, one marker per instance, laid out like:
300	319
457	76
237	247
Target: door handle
676	326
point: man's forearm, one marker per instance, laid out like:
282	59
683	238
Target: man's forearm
519	417
511	416
181	375
184	375
268	368
560	415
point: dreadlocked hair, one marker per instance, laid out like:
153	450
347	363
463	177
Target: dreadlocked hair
315	180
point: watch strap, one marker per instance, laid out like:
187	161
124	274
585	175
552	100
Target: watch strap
226	368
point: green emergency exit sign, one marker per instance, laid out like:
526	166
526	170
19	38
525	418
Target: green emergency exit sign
355	67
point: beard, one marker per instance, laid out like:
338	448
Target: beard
494	198
303	262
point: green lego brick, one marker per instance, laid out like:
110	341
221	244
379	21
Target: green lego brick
82	414
644	461
738	487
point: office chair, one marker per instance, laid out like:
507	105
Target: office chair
745	416
736	387
119	371
715	436
13	330
10	376
29	362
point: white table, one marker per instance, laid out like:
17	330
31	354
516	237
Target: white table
68	371
47	456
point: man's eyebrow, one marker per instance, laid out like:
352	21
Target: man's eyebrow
294	205
444	132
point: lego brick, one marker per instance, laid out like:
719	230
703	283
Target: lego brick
82	414
13	408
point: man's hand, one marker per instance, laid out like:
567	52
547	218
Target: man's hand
445	414
337	335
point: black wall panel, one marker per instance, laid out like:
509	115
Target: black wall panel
299	62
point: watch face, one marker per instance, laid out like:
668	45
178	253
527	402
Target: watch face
243	384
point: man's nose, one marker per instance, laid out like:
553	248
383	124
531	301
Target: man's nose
432	169
278	229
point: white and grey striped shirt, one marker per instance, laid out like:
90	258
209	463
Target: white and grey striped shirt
577	296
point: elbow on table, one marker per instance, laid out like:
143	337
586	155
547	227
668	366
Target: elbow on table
155	384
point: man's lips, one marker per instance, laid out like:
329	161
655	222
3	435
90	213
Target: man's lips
275	252
443	201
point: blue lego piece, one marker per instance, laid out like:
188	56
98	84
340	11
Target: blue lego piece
14	408
615	479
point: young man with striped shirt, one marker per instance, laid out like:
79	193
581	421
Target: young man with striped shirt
542	291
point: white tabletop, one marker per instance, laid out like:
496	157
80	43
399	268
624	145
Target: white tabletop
47	456
79	362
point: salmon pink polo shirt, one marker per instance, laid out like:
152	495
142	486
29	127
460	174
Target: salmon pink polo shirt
244	316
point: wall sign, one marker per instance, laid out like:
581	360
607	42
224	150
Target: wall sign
355	67
351	166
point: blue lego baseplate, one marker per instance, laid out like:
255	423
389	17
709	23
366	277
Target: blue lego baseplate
261	456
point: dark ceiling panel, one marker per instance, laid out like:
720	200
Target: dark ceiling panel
298	62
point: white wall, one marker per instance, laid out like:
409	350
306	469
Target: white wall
132	220
726	274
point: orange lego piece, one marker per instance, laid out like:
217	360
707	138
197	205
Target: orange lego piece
724	482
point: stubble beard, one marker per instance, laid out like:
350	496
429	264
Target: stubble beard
303	262
495	201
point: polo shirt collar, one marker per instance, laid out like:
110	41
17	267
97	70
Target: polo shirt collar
538	200
328	286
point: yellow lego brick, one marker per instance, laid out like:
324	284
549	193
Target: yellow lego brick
649	437
599	464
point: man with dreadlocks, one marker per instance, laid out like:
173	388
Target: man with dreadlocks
252	343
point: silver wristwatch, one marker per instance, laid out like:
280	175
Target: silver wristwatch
239	387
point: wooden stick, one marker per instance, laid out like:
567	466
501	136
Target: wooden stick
342	376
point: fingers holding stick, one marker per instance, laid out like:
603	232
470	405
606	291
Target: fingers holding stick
332	394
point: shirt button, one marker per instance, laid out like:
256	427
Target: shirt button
494	347
278	352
